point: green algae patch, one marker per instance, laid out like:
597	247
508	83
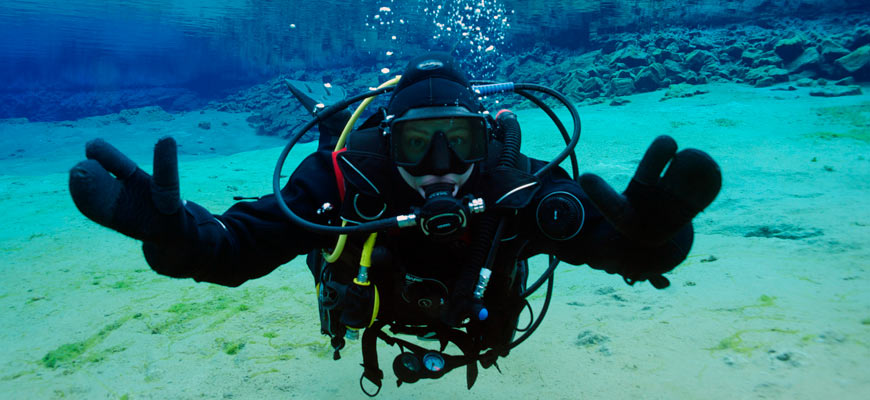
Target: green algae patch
268	371
865	321
739	344
734	343
182	313
231	346
208	310
680	124
725	122
857	115
862	135
763	301
71	353
856	118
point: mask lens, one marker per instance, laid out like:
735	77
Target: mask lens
465	136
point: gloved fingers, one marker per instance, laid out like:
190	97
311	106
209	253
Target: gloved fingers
110	158
612	205
94	191
693	177
164	188
659	281
654	160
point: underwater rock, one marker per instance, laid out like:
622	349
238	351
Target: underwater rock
699	58
631	56
791	48
144	114
621	86
589	338
767	58
204	125
660	55
831	51
860	37
681	90
847	81
594	85
624	73
673	69
650	78
857	61
837	91
766	76
805	82
572	85
749	56
277	121
734	51
808	60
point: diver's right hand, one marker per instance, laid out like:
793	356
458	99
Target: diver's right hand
111	190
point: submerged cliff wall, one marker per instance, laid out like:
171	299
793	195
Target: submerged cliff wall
573	24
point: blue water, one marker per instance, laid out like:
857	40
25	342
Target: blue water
205	50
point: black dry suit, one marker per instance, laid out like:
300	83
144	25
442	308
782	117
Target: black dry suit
416	284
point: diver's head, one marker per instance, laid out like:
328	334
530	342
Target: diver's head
437	127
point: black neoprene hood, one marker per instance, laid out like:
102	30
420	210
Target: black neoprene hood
432	80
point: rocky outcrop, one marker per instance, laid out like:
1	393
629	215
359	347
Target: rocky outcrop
828	49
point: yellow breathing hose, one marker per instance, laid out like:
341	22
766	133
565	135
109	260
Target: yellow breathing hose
359	110
342	239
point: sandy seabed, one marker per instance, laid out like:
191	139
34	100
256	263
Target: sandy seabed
773	302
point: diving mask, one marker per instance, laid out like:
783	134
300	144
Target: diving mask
438	140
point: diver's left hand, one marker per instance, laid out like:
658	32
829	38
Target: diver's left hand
654	207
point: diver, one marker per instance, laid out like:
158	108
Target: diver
418	222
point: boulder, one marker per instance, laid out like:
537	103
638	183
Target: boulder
830	50
681	90
734	51
808	61
631	56
767	59
791	48
699	58
765	81
836	91
673	68
664	55
857	61
650	78
621	86
768	75
860	37
624	74
619	101
600	70
749	56
593	85
805	82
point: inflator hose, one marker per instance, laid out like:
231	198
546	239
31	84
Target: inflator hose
486	239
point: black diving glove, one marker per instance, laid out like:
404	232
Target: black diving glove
112	191
654	207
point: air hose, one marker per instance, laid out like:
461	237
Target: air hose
490	227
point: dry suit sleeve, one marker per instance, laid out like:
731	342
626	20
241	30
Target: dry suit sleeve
252	238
